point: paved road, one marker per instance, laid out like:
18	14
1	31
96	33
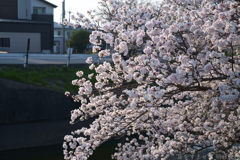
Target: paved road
48	58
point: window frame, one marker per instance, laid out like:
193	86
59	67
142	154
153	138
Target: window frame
5	42
38	9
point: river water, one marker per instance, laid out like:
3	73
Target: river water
55	152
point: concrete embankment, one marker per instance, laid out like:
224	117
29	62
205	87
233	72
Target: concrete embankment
32	116
20	103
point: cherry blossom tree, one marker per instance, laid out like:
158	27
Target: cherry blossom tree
179	94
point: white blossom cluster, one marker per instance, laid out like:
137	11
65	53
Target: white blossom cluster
182	93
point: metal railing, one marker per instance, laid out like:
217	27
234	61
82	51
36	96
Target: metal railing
69	58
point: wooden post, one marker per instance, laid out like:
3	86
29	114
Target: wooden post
26	57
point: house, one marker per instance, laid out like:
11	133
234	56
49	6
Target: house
58	30
58	37
23	19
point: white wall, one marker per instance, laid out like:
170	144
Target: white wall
60	40
36	3
28	5
23	7
18	41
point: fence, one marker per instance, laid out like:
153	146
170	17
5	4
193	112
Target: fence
19	58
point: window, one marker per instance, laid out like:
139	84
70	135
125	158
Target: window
4	42
39	10
59	33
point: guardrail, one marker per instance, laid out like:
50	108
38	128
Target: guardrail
31	55
66	57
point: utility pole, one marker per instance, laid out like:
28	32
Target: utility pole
63	27
69	27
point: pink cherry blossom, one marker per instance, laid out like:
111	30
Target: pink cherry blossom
174	80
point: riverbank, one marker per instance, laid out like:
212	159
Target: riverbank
32	116
34	121
51	77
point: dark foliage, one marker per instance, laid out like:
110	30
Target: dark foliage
79	40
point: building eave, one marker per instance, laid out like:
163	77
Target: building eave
22	21
53	5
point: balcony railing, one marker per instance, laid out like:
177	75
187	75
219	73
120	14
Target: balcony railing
42	17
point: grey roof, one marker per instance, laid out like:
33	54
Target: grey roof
58	26
53	5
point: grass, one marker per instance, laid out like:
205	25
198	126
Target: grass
57	78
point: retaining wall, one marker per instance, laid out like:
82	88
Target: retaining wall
20	103
32	116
